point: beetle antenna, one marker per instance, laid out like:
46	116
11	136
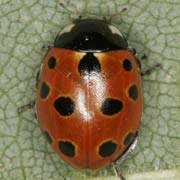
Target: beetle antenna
76	13
117	171
109	18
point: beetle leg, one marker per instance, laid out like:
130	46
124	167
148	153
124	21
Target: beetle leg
123	157
32	103
142	57
37	78
151	69
47	47
128	150
138	60
132	50
117	172
26	107
138	56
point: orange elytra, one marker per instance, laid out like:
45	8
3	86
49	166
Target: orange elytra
89	96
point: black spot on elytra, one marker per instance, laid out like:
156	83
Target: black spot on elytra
51	62
47	136
111	106
64	106
129	138
89	64
44	90
107	148
133	92
67	148
127	64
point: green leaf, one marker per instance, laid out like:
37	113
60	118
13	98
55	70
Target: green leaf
152	27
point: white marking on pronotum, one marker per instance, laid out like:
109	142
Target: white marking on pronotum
115	30
67	29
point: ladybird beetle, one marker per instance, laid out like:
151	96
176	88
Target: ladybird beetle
89	95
